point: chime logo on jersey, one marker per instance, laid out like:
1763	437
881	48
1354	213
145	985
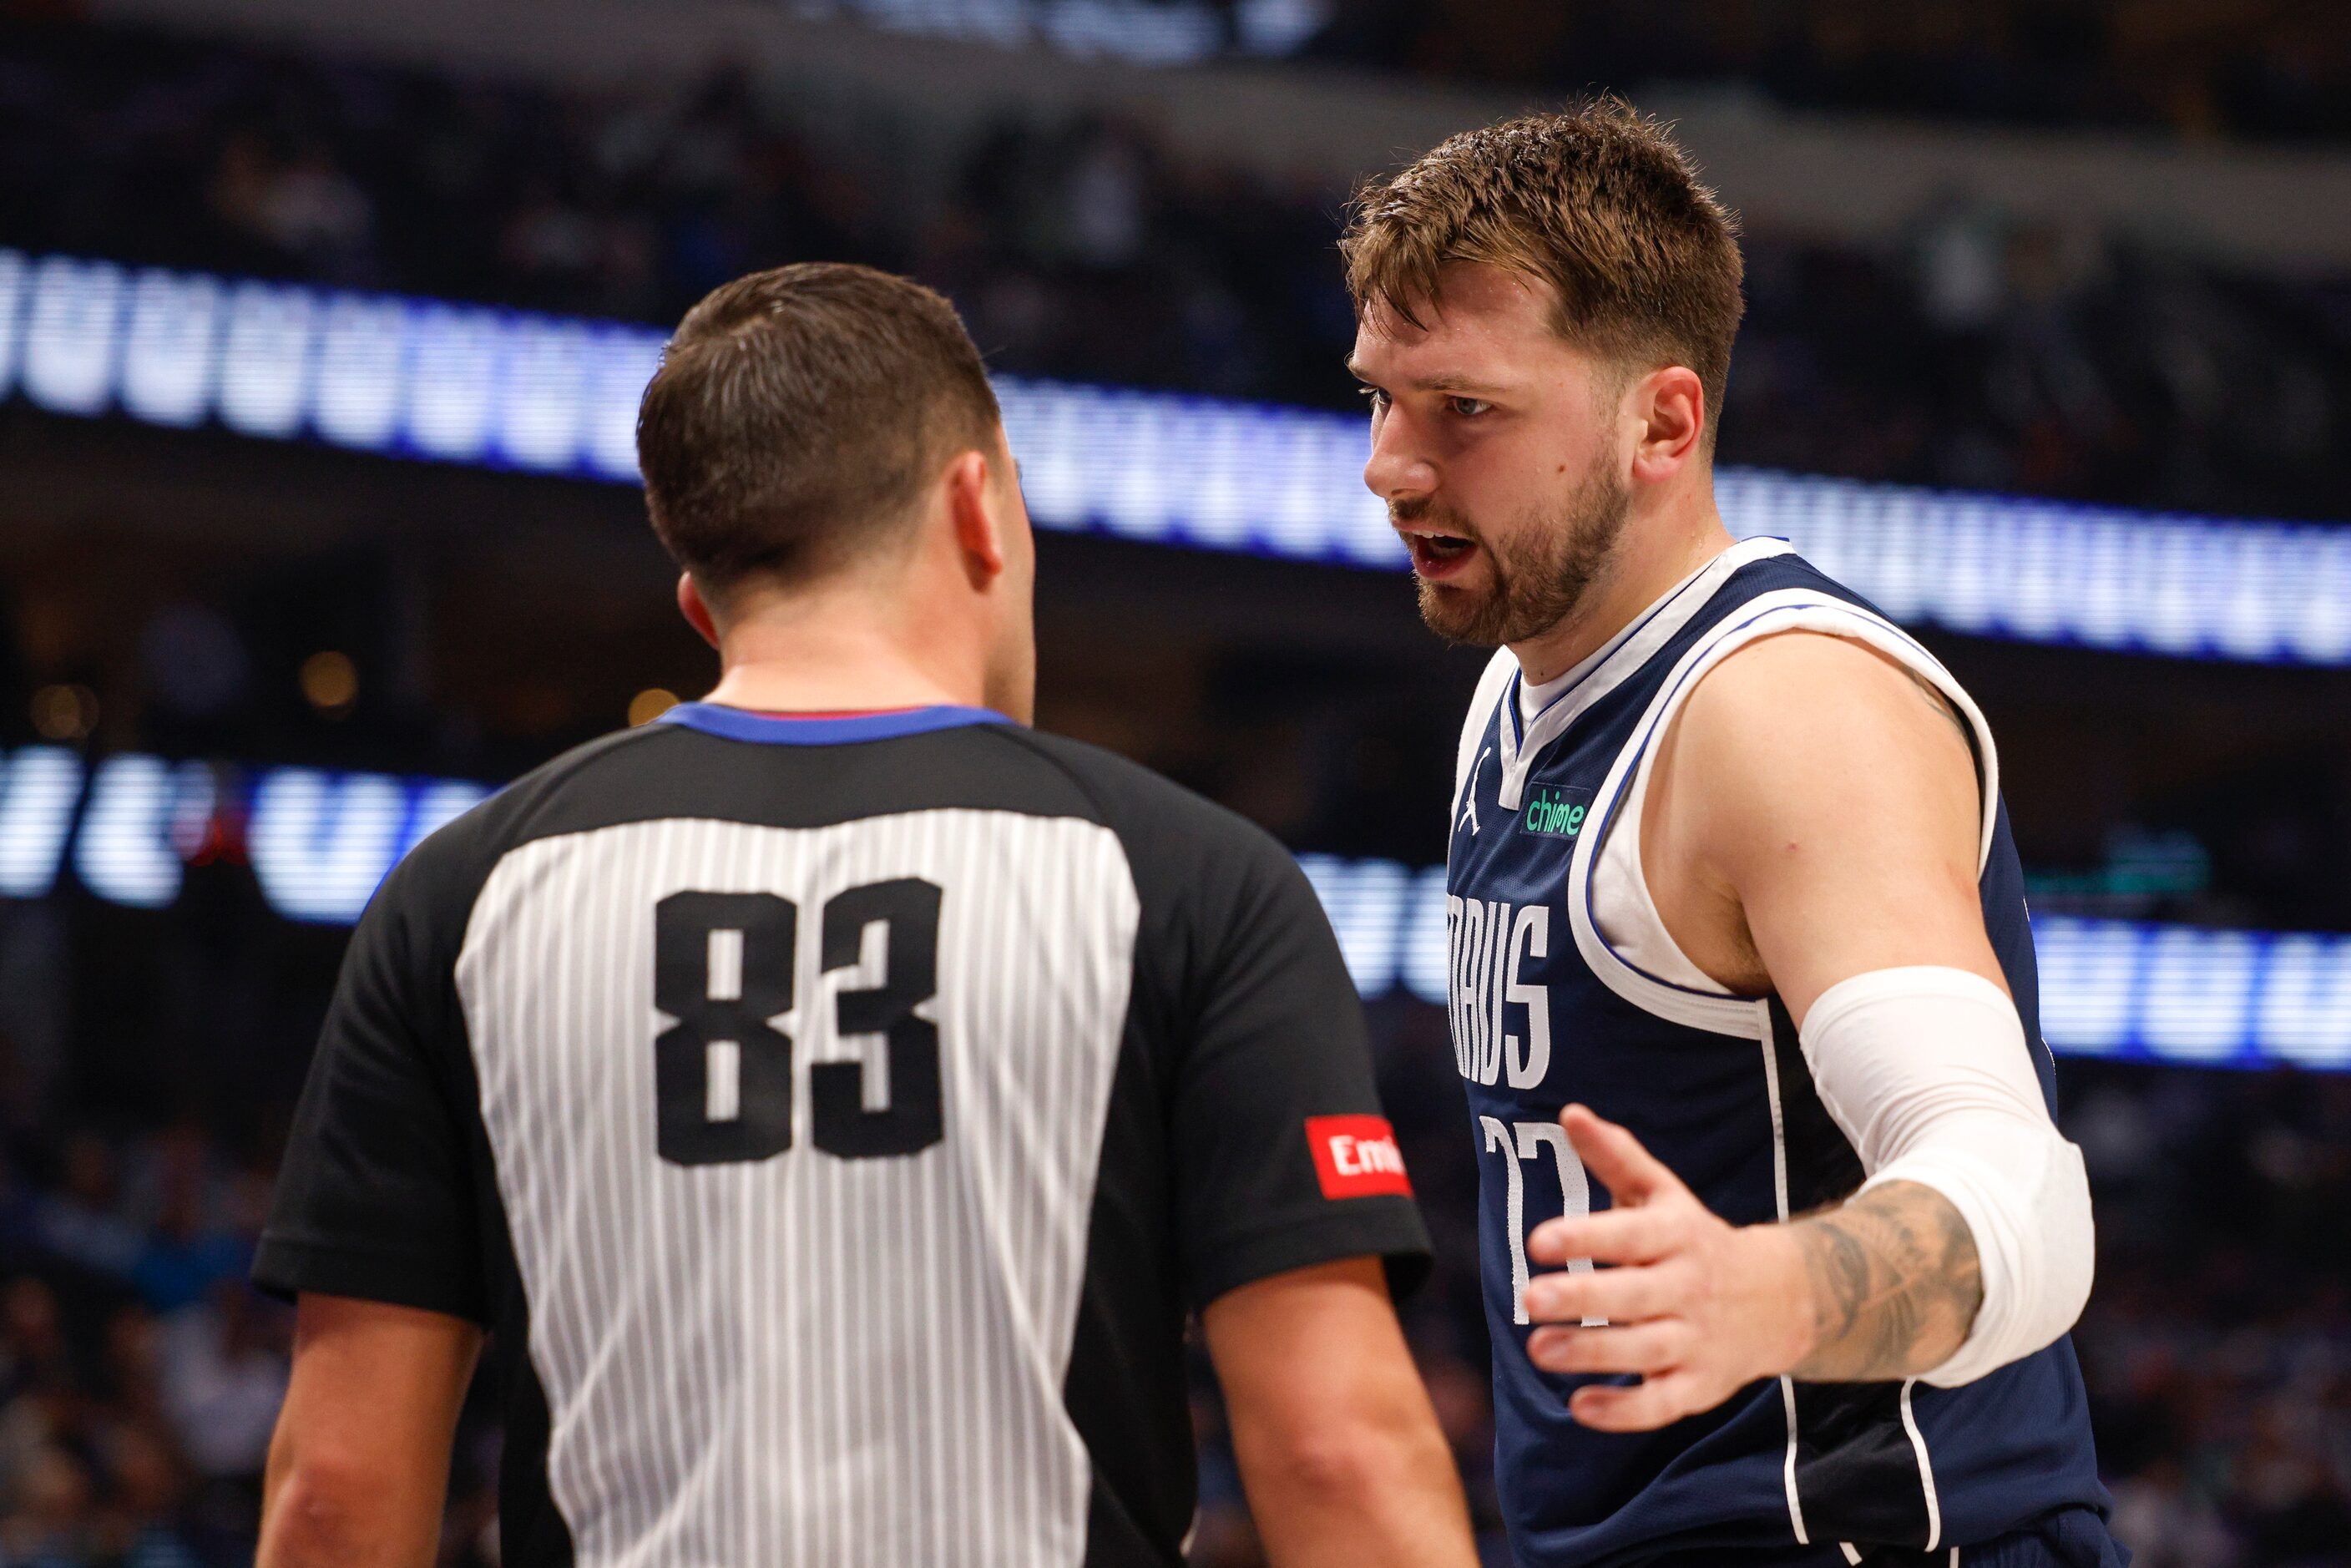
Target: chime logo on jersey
1490	942
1555	811
1356	1156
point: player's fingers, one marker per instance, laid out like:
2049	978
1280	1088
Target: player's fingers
1612	1236
1643	1407
1619	1295
1630	1173
1644	1347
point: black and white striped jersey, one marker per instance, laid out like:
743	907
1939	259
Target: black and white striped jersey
834	1119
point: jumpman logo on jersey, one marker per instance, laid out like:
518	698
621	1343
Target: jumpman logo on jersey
1469	796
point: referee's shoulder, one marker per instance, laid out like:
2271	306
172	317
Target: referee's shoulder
1157	819
461	852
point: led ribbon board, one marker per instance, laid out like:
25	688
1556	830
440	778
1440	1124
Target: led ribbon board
455	383
318	843
2119	989
1140	32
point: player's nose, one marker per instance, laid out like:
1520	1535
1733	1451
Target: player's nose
1395	471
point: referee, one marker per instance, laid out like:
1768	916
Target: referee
835	1097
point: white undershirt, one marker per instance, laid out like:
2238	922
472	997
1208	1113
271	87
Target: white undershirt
1533	698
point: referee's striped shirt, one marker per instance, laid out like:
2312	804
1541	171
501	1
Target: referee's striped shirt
834	1120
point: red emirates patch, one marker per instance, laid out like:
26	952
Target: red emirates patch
1356	1156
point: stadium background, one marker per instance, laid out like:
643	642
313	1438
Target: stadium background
320	334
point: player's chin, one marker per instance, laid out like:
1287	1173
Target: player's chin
1459	613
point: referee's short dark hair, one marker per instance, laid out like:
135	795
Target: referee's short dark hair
798	414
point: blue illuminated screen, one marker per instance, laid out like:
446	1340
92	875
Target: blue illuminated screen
461	383
126	828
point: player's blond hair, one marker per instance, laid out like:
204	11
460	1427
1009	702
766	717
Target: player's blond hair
1597	201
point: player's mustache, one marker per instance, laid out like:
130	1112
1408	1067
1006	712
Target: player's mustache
1425	509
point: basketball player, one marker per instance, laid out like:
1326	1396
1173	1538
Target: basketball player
1742	985
836	1096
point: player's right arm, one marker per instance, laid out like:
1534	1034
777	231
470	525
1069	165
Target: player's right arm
1339	1447
1831	856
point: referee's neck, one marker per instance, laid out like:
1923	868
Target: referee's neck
844	652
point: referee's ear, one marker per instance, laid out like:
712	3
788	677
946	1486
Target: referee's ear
972	508
696	609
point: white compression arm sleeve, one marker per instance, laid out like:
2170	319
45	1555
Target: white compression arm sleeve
1927	1072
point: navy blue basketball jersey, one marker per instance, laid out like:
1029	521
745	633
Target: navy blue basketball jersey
1546	1011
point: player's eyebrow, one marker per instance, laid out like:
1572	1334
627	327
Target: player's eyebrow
1438	383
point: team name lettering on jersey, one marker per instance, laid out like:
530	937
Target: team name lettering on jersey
1489	943
1356	1156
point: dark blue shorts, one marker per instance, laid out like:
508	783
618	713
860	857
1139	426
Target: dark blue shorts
2074	1539
2077	1538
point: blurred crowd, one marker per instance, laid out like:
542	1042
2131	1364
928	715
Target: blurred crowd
2218	1343
139	1375
1978	351
2250	69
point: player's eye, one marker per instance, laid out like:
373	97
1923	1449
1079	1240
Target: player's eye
1467	407
1375	397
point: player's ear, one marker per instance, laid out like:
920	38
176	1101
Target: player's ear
1668	417
697	609
972	511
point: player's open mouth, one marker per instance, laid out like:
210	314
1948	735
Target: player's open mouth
1437	555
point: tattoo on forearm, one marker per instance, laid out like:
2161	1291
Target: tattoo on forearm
1895	1284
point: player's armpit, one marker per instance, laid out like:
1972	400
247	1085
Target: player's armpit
1895	1284
360	1463
1338	1444
1816	814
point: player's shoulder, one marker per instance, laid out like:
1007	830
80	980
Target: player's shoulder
1770	565
1784	642
1825	684
1800	733
1817	679
1790	668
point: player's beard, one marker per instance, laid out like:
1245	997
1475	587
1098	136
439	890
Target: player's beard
1542	575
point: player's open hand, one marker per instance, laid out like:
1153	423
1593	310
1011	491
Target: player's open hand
1697	1307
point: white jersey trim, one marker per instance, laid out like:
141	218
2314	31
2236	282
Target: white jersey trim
1926	1467
1786	610
1492	686
1780	1201
1618	662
